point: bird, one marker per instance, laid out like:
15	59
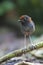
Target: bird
27	27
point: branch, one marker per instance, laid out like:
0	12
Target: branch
19	52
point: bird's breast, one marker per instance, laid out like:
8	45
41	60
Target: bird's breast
29	27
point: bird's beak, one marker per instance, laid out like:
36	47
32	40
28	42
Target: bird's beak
19	20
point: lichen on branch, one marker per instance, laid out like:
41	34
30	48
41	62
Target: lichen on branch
19	52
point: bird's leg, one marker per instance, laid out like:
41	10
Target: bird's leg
27	42
30	40
24	46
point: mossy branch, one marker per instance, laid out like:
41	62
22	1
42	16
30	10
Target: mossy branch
19	52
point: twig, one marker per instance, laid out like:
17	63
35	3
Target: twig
20	52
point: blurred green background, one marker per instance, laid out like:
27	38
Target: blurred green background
11	10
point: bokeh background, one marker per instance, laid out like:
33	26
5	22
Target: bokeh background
11	36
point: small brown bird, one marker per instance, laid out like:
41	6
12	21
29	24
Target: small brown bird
28	27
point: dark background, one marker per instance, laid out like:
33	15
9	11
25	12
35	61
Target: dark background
11	10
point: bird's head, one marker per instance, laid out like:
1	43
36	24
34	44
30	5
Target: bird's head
25	19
